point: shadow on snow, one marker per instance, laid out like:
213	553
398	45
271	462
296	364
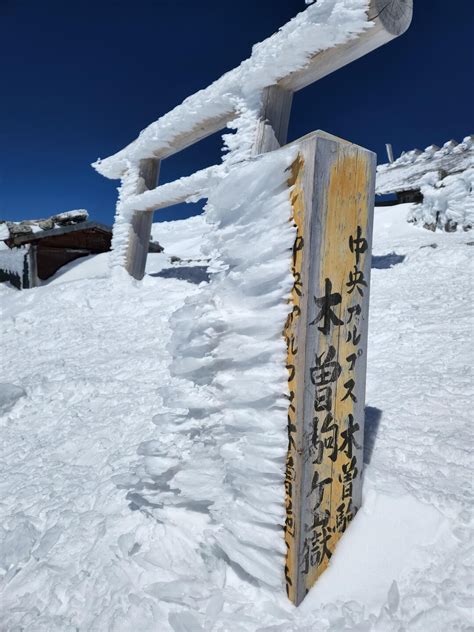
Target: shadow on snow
384	262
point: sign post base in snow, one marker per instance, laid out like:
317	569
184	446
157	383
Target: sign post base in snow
326	333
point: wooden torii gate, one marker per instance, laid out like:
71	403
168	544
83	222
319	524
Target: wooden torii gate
332	199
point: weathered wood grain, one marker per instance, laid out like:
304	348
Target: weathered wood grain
394	15
195	134
332	198
140	226
391	18
272	130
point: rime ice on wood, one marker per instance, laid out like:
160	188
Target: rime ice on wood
254	99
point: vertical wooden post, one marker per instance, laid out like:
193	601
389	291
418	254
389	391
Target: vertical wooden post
272	130
271	134
140	227
332	198
30	267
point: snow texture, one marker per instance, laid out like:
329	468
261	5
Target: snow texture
448	204
220	444
4	232
77	215
75	554
406	173
183	239
12	260
445	178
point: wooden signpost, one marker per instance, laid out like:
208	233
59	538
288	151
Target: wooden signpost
326	332
326	335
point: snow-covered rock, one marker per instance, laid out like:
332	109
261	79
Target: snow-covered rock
445	178
26	227
70	217
9	395
448	204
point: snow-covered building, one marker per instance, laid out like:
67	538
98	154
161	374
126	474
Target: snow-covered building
32	251
439	180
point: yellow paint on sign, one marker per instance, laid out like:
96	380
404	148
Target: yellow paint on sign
321	465
347	208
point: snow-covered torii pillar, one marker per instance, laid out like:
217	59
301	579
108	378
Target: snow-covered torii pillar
212	109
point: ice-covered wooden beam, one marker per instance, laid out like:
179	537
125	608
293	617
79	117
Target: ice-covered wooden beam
255	99
140	224
318	41
390	19
194	187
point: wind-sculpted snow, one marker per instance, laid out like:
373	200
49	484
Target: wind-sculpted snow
9	395
220	448
92	360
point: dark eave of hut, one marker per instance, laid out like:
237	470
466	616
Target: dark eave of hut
34	237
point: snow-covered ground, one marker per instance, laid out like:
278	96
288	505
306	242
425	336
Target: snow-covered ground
83	361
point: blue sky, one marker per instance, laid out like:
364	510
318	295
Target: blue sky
81	79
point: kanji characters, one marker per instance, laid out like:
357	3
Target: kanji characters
358	244
326	313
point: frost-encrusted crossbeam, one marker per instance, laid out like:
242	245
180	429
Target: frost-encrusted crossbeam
318	41
254	99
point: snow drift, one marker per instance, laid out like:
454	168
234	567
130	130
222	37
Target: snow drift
74	555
